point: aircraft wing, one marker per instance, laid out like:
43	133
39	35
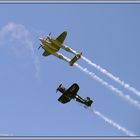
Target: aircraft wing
63	99
72	91
62	37
46	53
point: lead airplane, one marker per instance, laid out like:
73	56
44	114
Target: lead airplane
71	93
52	46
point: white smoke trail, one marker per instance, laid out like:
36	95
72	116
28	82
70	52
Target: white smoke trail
111	76
111	122
106	119
106	84
126	97
19	32
112	88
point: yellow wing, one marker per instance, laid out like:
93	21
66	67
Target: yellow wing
46	53
62	37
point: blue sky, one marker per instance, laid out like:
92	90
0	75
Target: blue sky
107	34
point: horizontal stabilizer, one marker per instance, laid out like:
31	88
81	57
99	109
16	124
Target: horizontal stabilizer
74	59
89	103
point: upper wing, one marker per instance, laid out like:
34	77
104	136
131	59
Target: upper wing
72	91
63	99
62	37
46	53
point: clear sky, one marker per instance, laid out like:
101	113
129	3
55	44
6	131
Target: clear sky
107	34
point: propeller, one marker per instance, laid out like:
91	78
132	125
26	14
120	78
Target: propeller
56	90
49	36
58	87
39	47
50	33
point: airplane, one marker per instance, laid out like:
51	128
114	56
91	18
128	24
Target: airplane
71	93
52	46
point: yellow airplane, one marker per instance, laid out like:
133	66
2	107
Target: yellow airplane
52	46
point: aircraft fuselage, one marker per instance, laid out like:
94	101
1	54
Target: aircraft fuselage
48	46
56	43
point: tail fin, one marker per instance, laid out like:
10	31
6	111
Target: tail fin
89	101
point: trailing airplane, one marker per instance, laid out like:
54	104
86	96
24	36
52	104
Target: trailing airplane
71	93
52	46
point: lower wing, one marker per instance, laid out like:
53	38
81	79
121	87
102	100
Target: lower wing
63	99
